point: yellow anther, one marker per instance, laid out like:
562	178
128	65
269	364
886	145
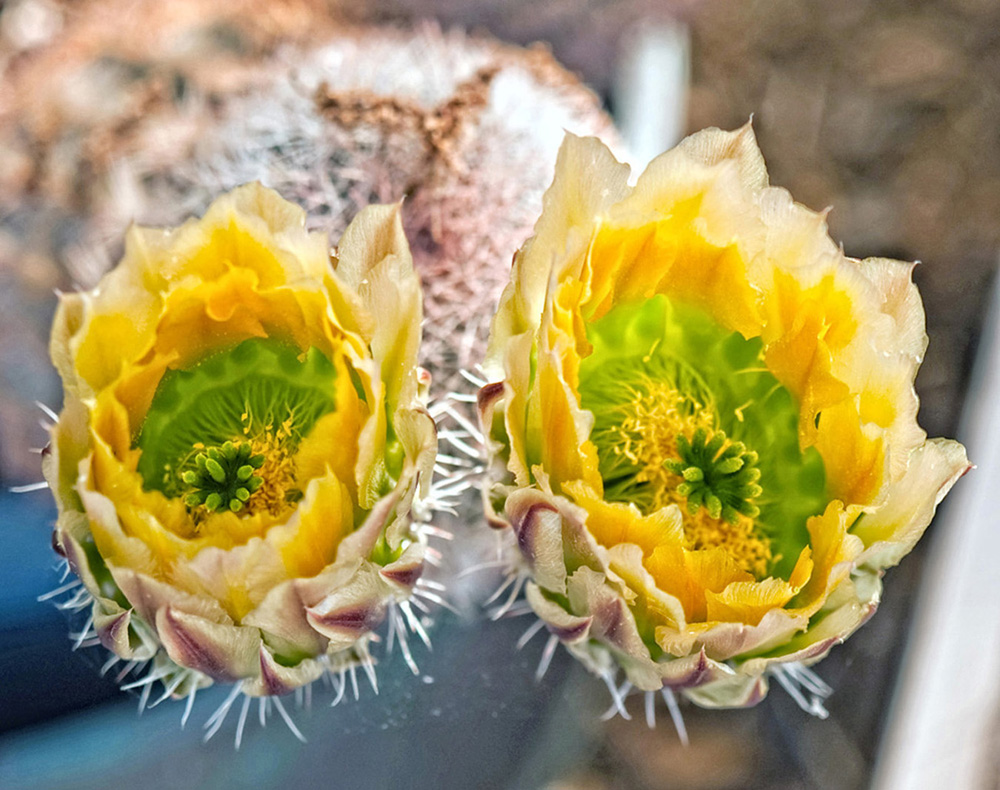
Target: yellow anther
277	493
742	540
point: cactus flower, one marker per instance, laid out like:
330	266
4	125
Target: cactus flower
241	440
703	428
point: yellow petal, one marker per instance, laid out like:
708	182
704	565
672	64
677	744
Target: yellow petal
671	256
690	575
332	444
806	328
613	523
588	179
854	454
748	602
561	444
308	542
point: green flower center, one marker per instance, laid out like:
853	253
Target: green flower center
718	475
223	434
686	413
224	477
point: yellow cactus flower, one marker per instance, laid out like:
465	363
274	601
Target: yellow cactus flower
704	425
242	436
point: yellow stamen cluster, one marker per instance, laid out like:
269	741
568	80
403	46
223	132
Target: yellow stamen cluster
647	437
742	541
278	492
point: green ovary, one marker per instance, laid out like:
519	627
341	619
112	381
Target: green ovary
686	413
223	434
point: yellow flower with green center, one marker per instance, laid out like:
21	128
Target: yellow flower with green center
242	437
704	422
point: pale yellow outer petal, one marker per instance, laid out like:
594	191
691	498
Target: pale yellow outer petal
374	259
891	531
588	181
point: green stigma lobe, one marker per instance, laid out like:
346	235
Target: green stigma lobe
719	476
223	477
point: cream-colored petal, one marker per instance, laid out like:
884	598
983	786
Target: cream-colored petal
844	612
735	691
148	595
353	608
588	180
417	432
722	641
239	578
537	523
613	624
282	616
712	146
517	388
569	628
795	236
893	280
69	318
402	574
374	259
276	678
890	531
652	603
223	652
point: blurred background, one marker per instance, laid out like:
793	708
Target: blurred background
120	110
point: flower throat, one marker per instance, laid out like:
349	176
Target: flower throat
222	435
686	414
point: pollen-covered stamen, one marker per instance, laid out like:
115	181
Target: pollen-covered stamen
719	475
275	445
224	477
255	402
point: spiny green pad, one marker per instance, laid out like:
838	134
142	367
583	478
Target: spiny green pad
229	398
223	477
719	477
